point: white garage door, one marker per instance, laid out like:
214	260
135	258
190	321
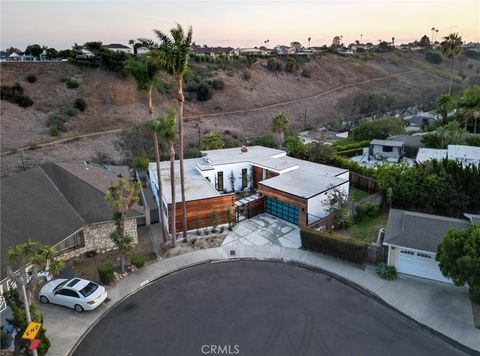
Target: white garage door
419	264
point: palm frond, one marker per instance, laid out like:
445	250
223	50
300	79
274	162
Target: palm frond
150	44
164	39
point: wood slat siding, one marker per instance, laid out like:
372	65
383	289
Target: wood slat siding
257	176
301	203
256	207
200	211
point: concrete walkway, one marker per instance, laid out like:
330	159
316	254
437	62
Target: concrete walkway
264	230
439	306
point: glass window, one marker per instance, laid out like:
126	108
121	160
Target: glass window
244	178
89	289
68	293
387	149
220	181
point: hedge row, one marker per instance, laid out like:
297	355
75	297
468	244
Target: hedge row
334	245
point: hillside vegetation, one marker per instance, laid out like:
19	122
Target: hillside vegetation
240	101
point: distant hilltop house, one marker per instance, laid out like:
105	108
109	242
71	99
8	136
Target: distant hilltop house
418	121
85	54
117	47
16	56
214	51
465	154
281	50
288	188
254	52
142	50
62	205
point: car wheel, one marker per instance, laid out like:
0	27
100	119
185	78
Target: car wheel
44	299
78	308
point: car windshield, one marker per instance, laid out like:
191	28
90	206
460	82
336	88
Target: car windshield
89	289
60	285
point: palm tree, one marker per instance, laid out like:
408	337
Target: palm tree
451	48
121	197
309	39
176	51
433	32
166	131
145	72
279	126
212	141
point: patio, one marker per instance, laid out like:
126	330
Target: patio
264	230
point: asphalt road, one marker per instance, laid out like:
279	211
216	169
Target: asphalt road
256	308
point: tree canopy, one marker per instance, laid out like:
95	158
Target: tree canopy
212	141
458	257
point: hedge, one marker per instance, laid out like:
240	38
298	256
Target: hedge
351	152
334	245
105	273
138	261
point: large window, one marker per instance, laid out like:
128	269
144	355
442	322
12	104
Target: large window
220	181
244	178
387	149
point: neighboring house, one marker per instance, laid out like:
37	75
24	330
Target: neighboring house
253	52
413	238
389	150
465	154
418	121
62	205
142	50
85	54
213	51
286	187
117	47
283	50
412	143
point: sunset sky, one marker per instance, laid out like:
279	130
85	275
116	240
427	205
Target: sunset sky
236	23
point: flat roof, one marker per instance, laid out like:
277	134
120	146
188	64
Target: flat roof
196	186
387	143
425	154
463	152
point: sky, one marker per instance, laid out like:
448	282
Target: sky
238	23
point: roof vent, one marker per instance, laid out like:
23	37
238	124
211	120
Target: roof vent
244	149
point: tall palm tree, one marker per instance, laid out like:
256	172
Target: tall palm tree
451	48
176	50
165	127
279	126
145	72
121	197
309	39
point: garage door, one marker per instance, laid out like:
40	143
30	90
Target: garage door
419	264
282	210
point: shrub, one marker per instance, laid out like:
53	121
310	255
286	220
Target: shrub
386	272
24	101
433	57
15	95
105	273
218	84
274	65
31	78
246	75
291	66
138	261
70	112
204	92
306	73
366	210
334	245
56	124
71	83
473	140
80	104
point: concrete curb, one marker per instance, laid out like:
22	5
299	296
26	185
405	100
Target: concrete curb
293	261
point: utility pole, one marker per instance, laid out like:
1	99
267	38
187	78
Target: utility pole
305	119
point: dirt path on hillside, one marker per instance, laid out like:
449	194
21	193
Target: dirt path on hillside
245	111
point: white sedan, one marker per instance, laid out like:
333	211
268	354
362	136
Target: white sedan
77	293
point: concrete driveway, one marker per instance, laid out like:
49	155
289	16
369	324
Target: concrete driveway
264	230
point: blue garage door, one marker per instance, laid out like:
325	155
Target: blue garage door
282	210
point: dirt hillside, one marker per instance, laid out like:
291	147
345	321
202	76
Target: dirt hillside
244	107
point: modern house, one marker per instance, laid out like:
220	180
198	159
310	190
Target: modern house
413	238
117	47
286	187
465	154
62	205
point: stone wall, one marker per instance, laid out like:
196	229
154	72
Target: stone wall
96	238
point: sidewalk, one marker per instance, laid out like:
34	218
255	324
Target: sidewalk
442	307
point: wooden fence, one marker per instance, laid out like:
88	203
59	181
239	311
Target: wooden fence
364	183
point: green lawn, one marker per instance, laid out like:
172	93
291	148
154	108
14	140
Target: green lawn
357	194
367	230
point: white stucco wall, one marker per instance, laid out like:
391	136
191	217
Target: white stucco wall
317	205
227	169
